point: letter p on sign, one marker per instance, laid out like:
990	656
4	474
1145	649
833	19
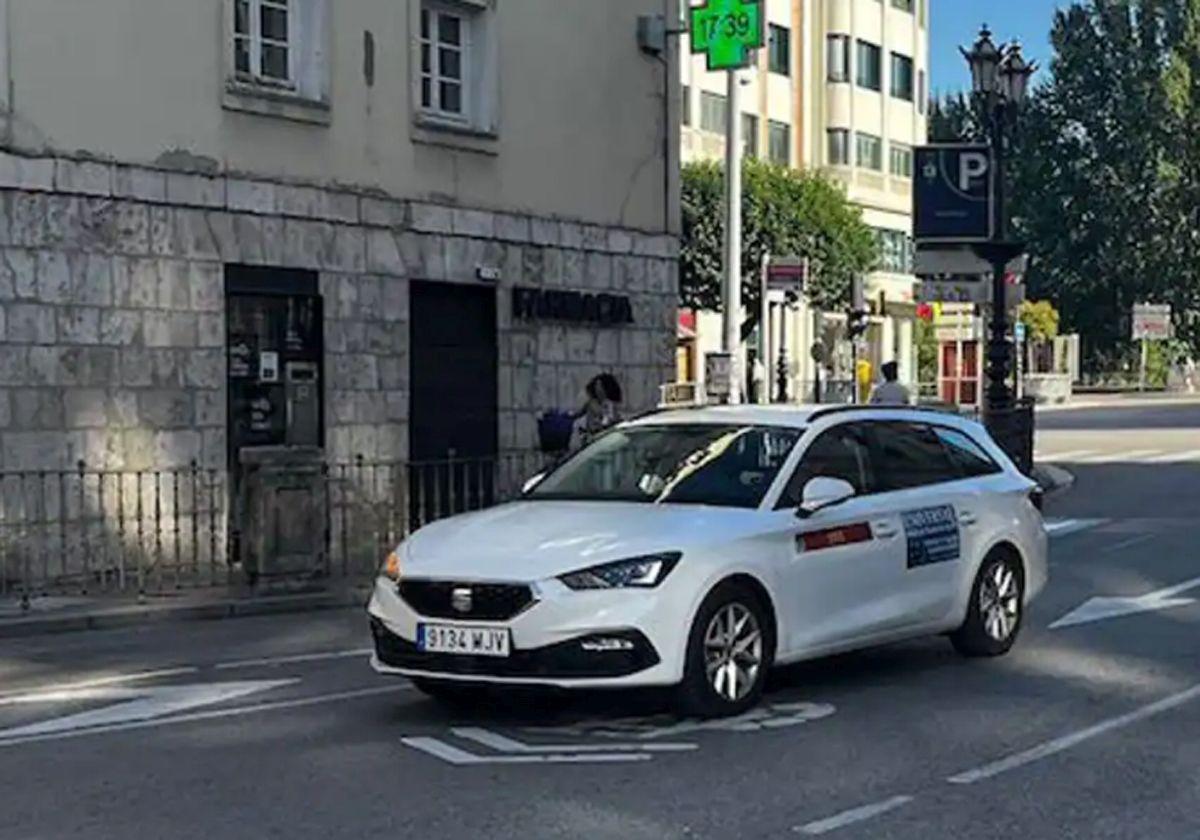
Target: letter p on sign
971	165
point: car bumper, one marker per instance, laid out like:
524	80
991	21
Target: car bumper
547	641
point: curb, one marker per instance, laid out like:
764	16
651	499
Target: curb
118	617
1053	479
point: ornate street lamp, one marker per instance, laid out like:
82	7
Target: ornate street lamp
1000	81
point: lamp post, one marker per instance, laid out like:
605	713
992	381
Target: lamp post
1000	81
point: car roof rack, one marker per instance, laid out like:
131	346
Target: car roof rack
845	409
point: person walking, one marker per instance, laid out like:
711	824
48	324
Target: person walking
603	406
890	391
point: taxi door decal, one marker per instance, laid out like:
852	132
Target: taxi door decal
834	537
932	536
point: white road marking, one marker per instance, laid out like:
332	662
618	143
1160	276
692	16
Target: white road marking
502	743
1098	609
765	716
133	704
99	682
1131	456
454	755
1062	527
854	815
1064	456
291	660
1058	745
1174	457
215	714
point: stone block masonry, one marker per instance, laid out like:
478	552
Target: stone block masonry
112	308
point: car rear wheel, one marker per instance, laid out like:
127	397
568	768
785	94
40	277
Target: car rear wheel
995	610
730	648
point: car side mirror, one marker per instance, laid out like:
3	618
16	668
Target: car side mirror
824	492
532	482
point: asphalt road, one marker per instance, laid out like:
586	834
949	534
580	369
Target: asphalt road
275	727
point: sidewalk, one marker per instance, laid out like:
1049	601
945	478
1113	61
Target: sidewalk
69	613
1131	399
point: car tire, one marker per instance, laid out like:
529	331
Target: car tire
452	694
724	677
996	608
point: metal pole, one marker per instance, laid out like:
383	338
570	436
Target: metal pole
764	333
1142	370
781	368
732	309
999	397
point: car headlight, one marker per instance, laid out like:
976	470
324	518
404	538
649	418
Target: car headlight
390	568
639	572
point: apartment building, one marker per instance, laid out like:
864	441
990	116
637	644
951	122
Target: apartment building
842	85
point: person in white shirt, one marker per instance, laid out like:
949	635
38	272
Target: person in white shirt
889	391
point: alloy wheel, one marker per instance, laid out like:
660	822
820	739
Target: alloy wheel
733	651
1000	602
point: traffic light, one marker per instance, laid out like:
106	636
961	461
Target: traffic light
857	323
856	318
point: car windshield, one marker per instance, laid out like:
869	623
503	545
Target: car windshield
704	464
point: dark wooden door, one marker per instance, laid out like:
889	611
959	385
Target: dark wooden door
454	412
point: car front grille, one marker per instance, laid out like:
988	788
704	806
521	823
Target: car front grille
488	601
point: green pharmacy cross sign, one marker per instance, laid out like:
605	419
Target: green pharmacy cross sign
726	31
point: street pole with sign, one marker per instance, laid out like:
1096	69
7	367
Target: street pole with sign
728	32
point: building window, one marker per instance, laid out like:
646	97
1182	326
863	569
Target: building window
900	160
685	106
779	143
749	135
903	5
455	75
837	58
780	50
921	95
839	147
868	62
712	112
902	77
262	41
277	58
445	53
896	251
868	151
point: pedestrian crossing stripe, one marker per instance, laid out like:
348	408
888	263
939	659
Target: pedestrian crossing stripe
1133	456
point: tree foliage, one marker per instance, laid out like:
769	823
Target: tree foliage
1040	319
785	212
1104	168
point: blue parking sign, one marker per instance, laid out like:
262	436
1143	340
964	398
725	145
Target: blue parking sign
953	194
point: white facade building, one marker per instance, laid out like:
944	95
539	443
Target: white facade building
842	86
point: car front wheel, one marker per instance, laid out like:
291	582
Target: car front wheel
729	651
995	610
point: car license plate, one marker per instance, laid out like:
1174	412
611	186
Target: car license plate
463	639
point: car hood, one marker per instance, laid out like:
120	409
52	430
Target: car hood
531	540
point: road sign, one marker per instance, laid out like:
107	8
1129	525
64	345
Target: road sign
726	31
1151	321
1019	331
787	274
954	197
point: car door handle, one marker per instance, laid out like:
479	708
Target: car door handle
966	518
883	530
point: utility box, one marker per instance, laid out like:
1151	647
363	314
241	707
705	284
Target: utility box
282	515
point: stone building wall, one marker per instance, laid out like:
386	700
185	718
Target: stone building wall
112	308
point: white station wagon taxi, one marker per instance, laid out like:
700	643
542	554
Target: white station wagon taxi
698	548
